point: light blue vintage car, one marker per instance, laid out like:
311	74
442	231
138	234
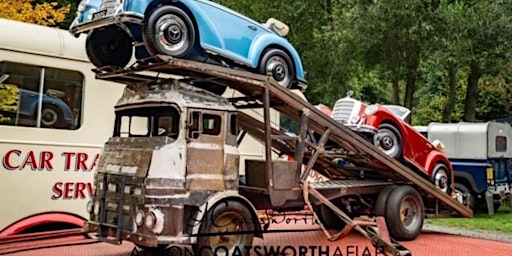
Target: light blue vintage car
199	30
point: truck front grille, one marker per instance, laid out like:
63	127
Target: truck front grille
118	194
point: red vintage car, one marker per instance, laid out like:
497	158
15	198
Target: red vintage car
384	126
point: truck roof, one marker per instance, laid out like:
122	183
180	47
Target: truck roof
174	92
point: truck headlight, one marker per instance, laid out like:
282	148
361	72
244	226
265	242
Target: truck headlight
139	218
89	206
97	208
150	220
371	110
155	221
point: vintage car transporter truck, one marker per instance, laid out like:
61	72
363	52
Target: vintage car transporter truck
170	173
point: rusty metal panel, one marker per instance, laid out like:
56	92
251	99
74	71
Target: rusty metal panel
205	168
231	171
283	175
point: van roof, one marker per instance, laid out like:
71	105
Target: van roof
42	40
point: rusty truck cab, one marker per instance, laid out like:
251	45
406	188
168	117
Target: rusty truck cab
150	187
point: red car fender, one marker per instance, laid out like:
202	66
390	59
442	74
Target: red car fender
435	157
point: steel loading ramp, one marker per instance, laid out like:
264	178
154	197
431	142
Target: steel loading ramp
263	92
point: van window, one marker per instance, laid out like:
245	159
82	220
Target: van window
501	144
42	97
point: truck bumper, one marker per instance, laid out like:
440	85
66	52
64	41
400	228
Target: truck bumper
109	233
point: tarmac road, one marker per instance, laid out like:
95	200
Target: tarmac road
312	243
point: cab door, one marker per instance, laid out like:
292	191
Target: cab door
205	150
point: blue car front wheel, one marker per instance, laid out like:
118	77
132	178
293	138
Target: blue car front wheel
170	31
277	64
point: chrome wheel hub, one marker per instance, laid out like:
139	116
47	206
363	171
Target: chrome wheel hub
277	68
172	33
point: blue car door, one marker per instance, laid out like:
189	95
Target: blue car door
236	33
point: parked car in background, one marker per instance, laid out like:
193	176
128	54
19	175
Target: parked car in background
384	126
192	29
24	107
481	159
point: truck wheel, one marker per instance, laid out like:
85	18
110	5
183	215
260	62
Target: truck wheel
109	46
389	140
382	199
404	213
170	31
226	216
441	177
464	195
329	218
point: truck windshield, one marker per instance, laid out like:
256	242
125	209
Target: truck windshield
147	122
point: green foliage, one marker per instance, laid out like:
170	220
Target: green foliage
369	46
499	222
9	101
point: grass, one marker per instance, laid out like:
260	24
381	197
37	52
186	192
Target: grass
501	221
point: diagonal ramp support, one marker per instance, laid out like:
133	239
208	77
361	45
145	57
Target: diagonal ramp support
389	248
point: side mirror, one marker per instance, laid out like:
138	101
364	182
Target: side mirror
277	26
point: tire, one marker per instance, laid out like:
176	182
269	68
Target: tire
441	177
382	199
278	65
225	216
329	218
465	195
404	213
170	31
51	116
389	140
109	46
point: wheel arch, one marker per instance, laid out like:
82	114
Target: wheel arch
268	41
219	197
42	220
436	158
467	180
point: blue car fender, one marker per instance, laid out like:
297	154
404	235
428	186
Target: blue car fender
263	41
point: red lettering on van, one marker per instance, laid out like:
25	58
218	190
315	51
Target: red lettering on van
6	161
80	162
72	190
44	161
67	160
31	159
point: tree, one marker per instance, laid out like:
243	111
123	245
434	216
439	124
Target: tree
491	32
44	13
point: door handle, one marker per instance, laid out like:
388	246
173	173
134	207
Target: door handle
253	27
